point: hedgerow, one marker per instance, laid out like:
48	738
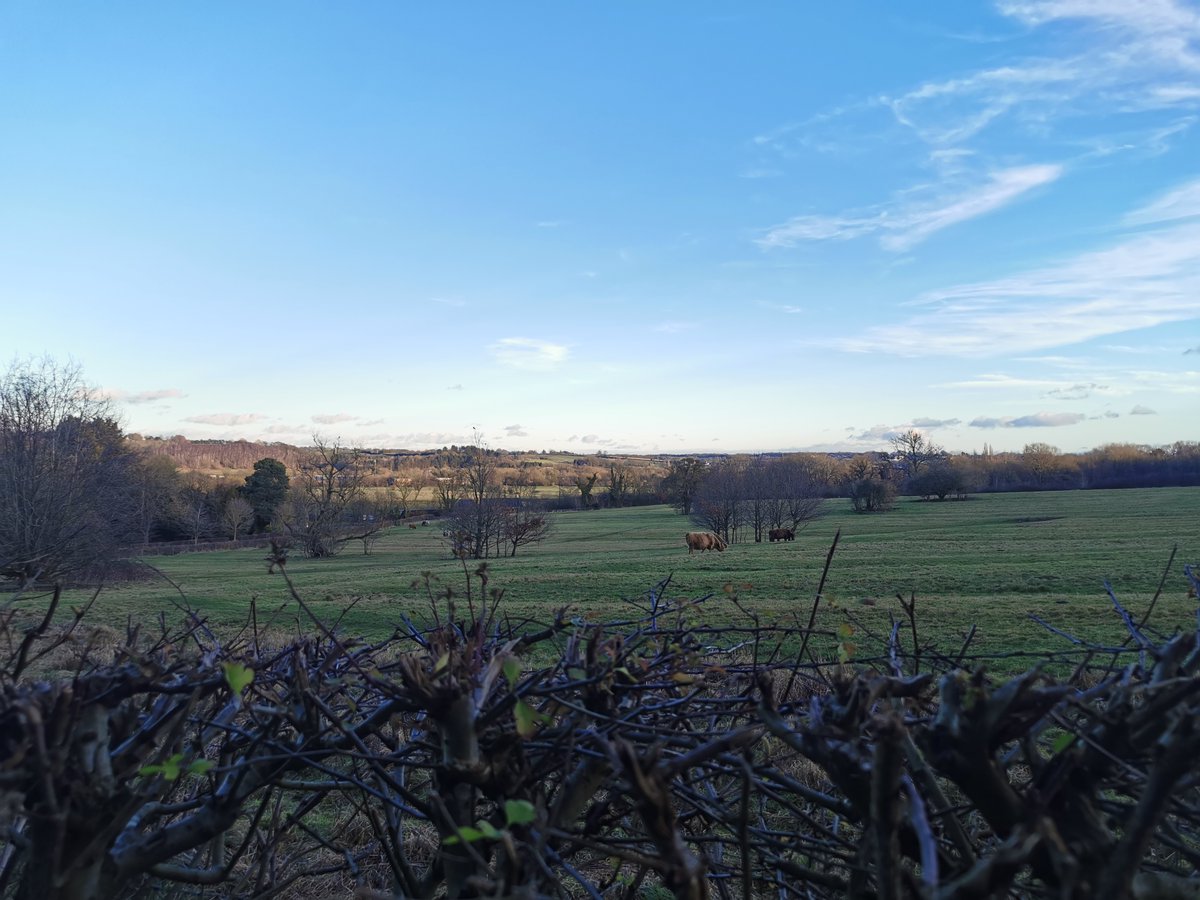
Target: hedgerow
483	757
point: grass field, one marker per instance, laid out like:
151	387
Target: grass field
988	561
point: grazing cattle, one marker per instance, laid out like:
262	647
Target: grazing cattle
412	526
788	534
424	524
781	534
703	540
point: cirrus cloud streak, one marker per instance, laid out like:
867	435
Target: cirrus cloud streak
902	226
226	419
1146	280
528	353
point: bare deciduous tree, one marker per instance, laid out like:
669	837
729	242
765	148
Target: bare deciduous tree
756	493
524	521
479	468
682	482
236	514
402	493
447	487
196	513
67	497
326	485
717	504
796	492
914	451
618	484
585	486
156	485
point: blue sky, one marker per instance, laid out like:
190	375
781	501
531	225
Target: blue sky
624	226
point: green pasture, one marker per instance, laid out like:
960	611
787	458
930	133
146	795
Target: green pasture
988	561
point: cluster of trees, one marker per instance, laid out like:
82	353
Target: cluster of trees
913	465
420	469
69	488
1041	466
918	467
485	516
747	496
321	505
215	457
74	491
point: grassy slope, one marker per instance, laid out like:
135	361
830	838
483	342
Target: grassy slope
988	561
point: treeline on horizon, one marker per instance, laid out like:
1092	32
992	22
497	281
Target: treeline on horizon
1039	466
202	491
74	488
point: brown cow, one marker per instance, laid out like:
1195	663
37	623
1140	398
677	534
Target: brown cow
703	540
775	534
788	534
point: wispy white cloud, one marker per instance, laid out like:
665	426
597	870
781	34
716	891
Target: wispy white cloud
786	308
1140	55
1145	280
288	429
427	439
1167	382
935	423
594	440
1128	57
226	419
759	172
1002	188
1148	17
877	434
1055	389
954	110
1150	142
529	353
333	418
1172	94
905	223
1136	349
675	326
1079	391
882	434
1182	202
1140	410
140	397
515	431
989	381
1036	420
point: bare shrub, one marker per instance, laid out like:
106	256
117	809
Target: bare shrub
471	758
